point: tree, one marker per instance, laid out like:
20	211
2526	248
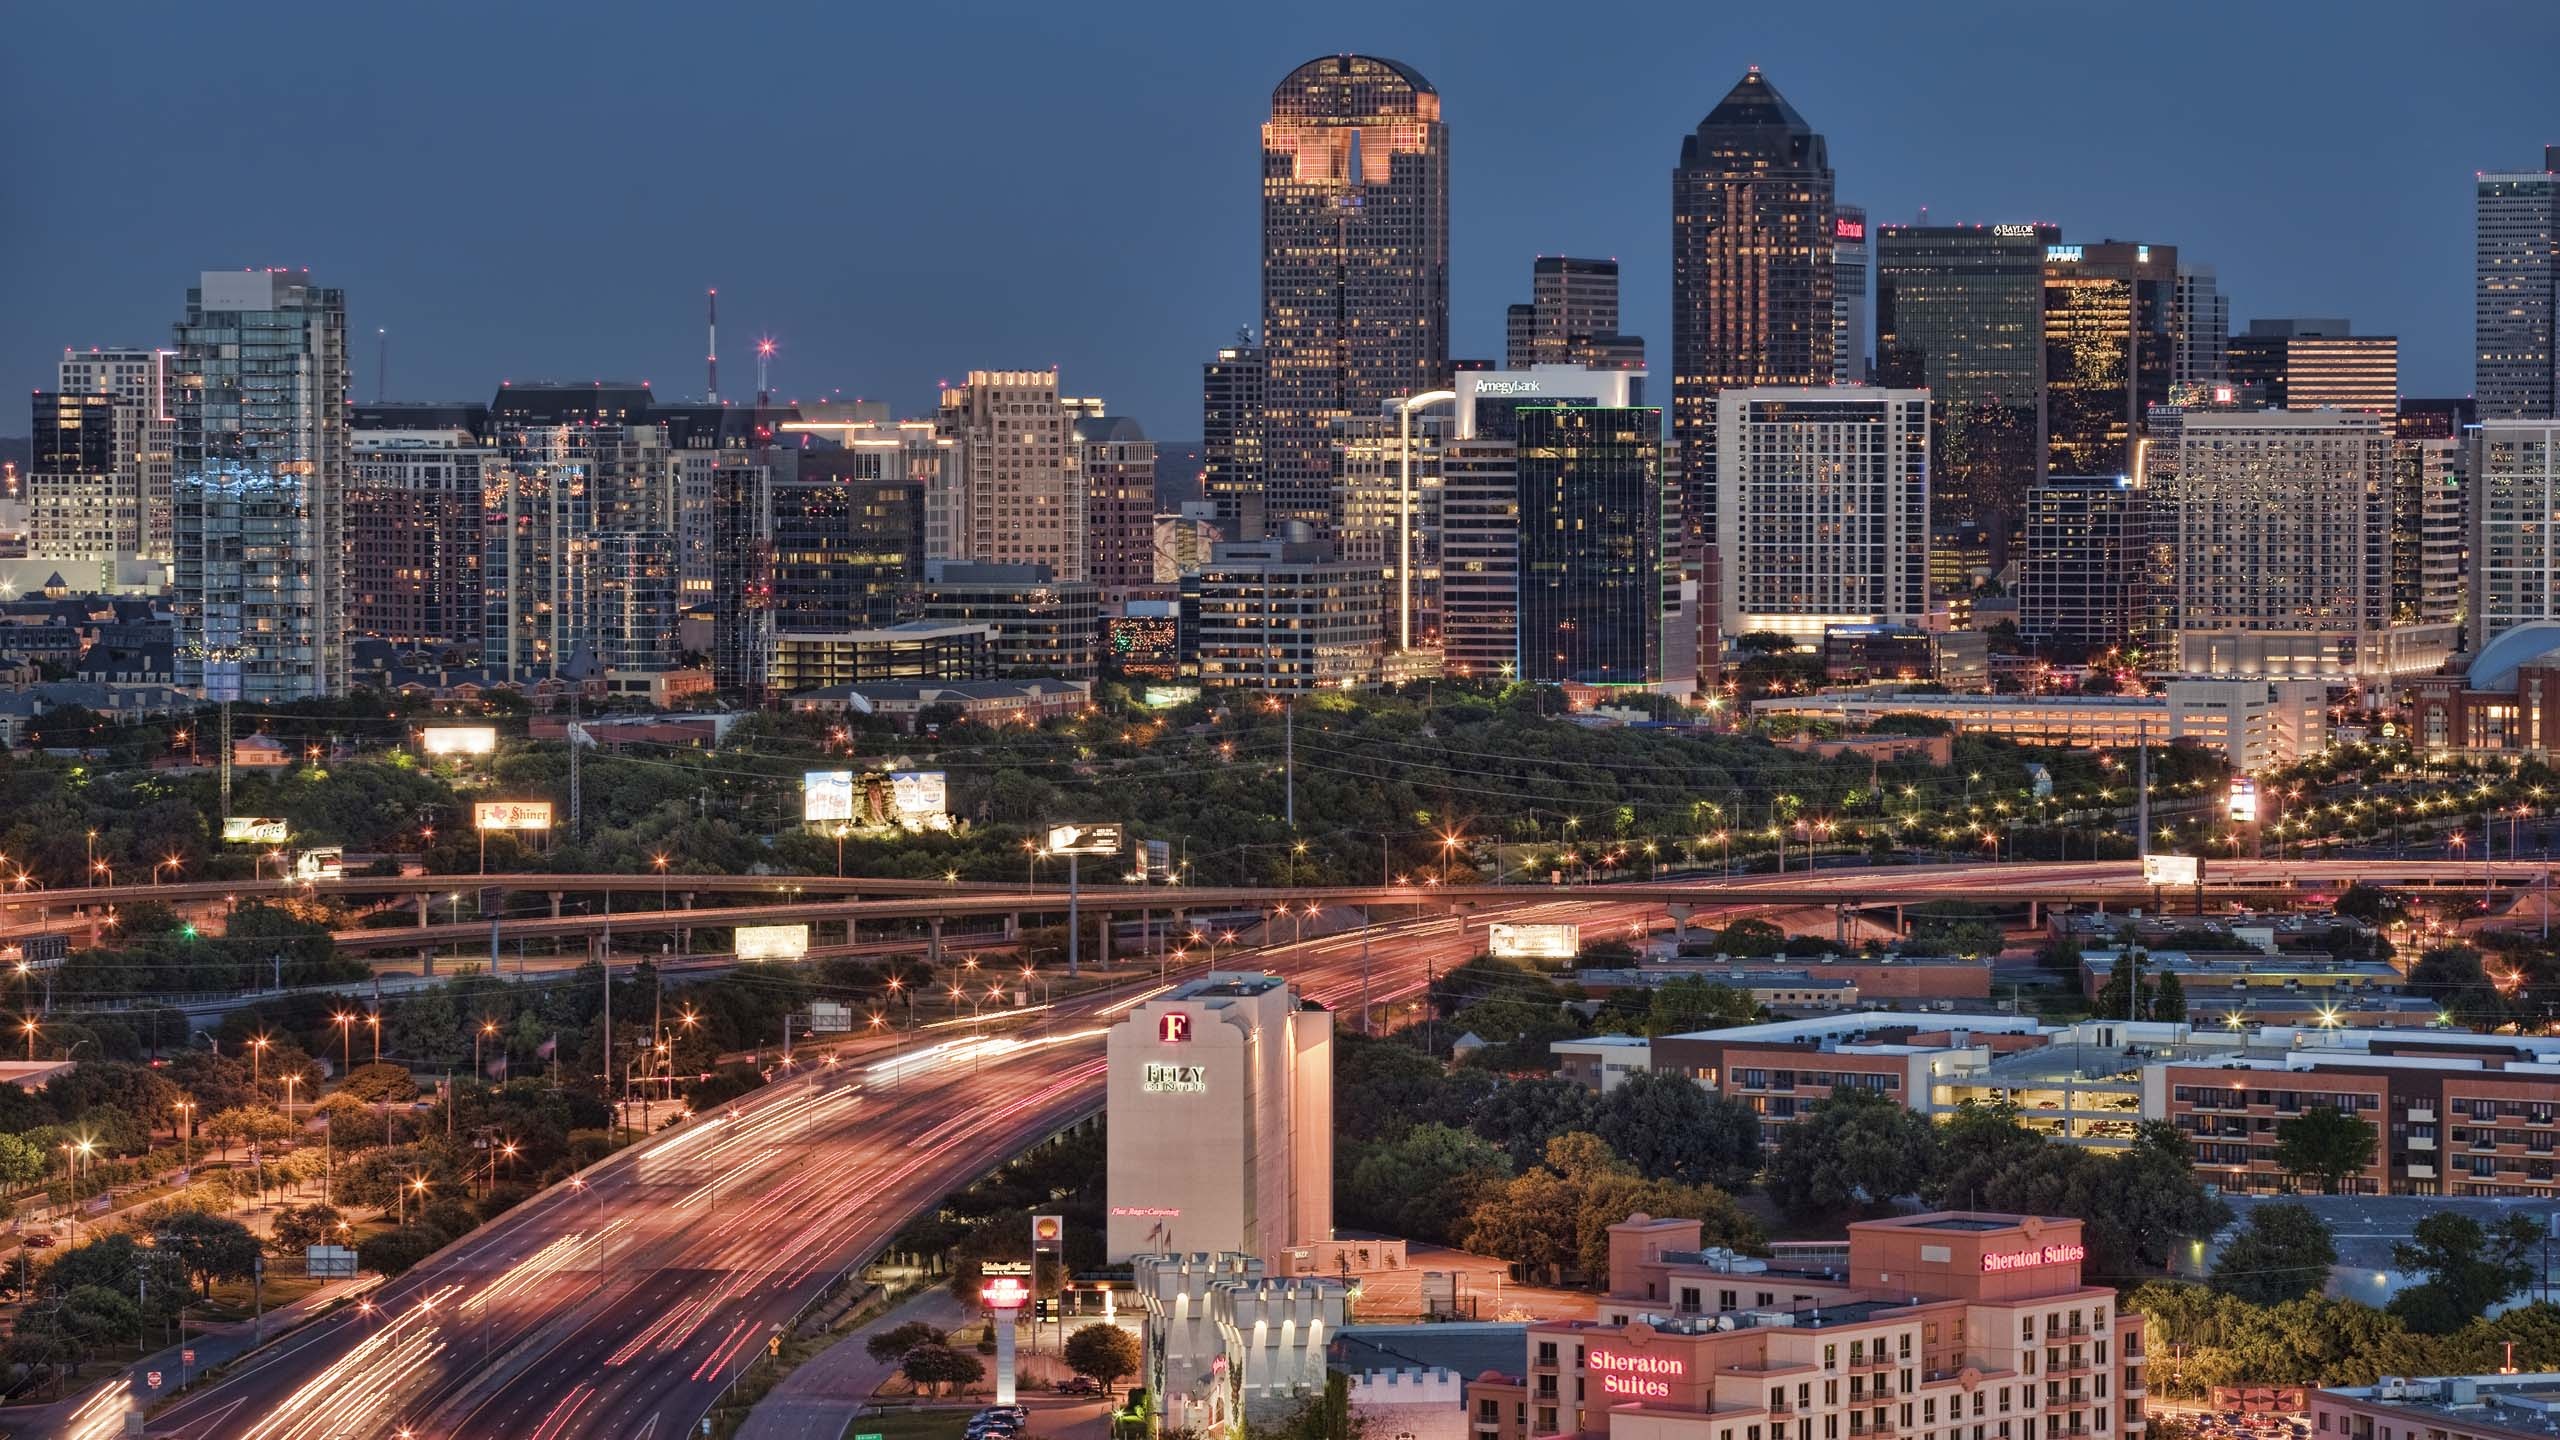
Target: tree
1421	1183
929	1365
1751	938
2282	1253
1979	1142
22	1162
1853	1149
1556	1217
1687	1003
2324	1145
1524	1115
2469	1267
2169	1000
1103	1354
247	1124
210	1247
376	1084
2369	903
99	1317
897	1340
395	1252
1670	1127
299	1227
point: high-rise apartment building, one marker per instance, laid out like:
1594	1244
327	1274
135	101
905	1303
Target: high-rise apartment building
84	492
1355	264
1853	314
1231	453
2285	549
2301	364
2110	345
414	532
1598	568
577	464
2204	329
1822	508
2516	291
848	536
1119	465
138	379
1960	313
2429	548
258	528
2514	475
1571	318
1017	494
2097	564
1752	216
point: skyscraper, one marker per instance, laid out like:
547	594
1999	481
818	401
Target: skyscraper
261	472
1598	570
2284	548
2305	364
1119	465
414	533
2097	564
2204	329
139	380
1823	510
1355	264
2514	471
583	513
1017	496
1232	469
1960	313
2516	291
2110	345
1853	316
848	536
1571	318
1751	284
84	496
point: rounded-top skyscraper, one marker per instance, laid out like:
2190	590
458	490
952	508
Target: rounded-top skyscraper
1355	263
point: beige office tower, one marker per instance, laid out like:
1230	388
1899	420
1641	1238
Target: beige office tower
1355	265
2284	549
1016	494
1220	1122
147	423
1375	508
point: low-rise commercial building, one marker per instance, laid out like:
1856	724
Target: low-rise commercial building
2258	724
2446	1407
1227	1345
1960	660
920	650
1042	625
2209	977
979	702
1936	1324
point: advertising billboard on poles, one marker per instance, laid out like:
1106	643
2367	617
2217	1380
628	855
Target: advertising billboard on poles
511	815
256	830
826	795
920	798
1104	839
2244	800
459	740
1534	942
2169	870
772	942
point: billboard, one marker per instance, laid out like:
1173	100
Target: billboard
2244	800
459	740
1159	857
255	830
1105	839
511	815
2170	870
826	795
919	798
1534	942
772	942
830	1017
321	862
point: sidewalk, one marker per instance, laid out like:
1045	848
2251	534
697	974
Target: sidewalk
818	1400
97	1410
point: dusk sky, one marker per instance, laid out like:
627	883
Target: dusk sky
898	193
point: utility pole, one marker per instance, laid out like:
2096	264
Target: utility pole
224	746
1075	924
1288	755
576	798
2142	793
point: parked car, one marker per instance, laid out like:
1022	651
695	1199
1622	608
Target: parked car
1079	1385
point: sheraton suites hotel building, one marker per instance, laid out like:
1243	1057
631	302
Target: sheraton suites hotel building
1948	1326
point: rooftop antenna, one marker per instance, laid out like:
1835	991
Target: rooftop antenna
381	363
714	395
764	360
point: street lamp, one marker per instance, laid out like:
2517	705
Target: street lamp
29	1025
1404	508
374	1019
346	1023
660	861
186	1132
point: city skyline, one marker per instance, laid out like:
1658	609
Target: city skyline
1130	308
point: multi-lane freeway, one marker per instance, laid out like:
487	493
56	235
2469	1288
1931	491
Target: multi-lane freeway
625	1303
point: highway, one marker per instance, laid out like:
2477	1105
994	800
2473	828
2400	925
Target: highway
625	1303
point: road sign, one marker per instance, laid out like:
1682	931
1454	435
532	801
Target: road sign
152	1379
868	1435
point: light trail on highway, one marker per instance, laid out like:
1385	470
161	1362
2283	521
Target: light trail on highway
625	1305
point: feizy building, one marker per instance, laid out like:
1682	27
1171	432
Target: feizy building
1355	264
262	464
1822	508
1221	1122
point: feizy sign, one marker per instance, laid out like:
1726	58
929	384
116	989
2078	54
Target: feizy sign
1162	1079
1173	1028
1635	1377
1996	1261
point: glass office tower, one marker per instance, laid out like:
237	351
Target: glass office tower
1596	521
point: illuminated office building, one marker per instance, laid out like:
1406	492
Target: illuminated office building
1960	314
414	533
2096	565
1231	453
1119	465
2204	329
261	463
1017	495
2516	291
140	381
1598	573
848	538
1355	265
84	490
2307	364
1751	276
1571	318
2110	343
1823	515
1852	306
2514	474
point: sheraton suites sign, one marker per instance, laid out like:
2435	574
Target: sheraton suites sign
1636	1377
1996	1261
